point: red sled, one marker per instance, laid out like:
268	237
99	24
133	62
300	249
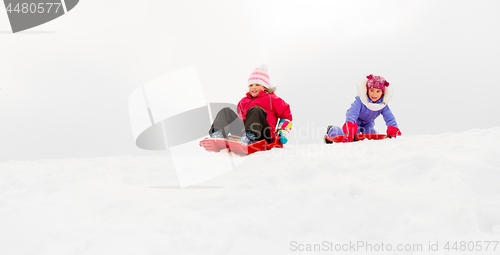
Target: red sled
358	137
218	144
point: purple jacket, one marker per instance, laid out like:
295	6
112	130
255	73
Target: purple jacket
361	115
363	111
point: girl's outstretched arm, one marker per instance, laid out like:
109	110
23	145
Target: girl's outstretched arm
353	112
389	118
282	109
390	121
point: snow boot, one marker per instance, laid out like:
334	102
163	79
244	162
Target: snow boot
328	129
247	138
217	134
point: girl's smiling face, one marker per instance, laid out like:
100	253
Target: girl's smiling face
254	89
375	94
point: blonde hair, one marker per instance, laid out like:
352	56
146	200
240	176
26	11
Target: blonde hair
271	89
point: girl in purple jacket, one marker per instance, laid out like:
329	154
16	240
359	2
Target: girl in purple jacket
373	95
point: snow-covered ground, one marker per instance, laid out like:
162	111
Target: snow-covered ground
411	193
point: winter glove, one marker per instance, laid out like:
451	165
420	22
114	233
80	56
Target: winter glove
393	131
284	126
349	129
283	136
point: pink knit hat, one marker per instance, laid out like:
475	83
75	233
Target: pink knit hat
260	76
376	82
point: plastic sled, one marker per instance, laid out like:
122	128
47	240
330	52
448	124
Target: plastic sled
233	145
358	137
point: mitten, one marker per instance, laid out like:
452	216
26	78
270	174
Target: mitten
284	127
393	131
283	136
349	129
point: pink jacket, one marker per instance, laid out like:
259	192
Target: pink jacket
275	107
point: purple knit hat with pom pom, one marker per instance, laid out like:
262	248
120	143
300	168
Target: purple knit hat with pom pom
376	82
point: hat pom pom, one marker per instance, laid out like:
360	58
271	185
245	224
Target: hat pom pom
386	83
264	67
369	77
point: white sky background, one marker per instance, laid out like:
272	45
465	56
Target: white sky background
65	84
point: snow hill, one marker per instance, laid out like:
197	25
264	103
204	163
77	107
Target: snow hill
414	193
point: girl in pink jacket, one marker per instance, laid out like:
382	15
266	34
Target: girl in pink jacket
258	113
